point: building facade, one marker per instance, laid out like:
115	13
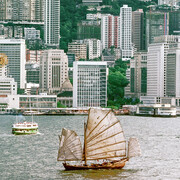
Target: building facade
89	29
53	70
157	24
32	73
110	31
15	49
91	2
138	29
79	48
126	32
32	102
52	23
7	86
31	33
93	48
174	24
89	84
19	10
163	68
137	76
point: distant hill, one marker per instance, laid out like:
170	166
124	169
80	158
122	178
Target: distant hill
72	12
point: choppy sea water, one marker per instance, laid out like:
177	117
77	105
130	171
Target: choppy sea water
35	156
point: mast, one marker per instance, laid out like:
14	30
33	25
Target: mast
85	144
30	108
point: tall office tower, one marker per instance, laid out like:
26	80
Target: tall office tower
15	49
52	23
89	29
53	70
89	84
126	32
109	31
137	76
163	67
79	48
174	23
138	29
20	10
93	48
157	24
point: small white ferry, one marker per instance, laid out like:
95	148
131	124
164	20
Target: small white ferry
25	128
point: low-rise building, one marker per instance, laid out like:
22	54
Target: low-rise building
32	102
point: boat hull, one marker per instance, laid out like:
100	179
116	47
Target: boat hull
24	132
106	165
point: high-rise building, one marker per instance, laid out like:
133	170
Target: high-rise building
157	24
137	76
126	32
20	10
174	23
163	67
53	70
15	49
89	84
138	29
110	31
79	48
52	23
93	48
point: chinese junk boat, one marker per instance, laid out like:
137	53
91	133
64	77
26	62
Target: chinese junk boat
104	141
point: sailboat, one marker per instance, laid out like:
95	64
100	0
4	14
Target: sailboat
105	146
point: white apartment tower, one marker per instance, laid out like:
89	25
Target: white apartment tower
52	23
163	67
110	31
93	48
15	50
89	84
126	32
53	70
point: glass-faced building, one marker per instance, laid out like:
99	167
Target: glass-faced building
89	84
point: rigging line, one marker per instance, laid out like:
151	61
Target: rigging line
101	132
98	124
105	138
106	157
72	132
71	152
105	152
71	141
74	147
101	147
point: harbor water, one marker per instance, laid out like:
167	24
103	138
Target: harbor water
35	156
